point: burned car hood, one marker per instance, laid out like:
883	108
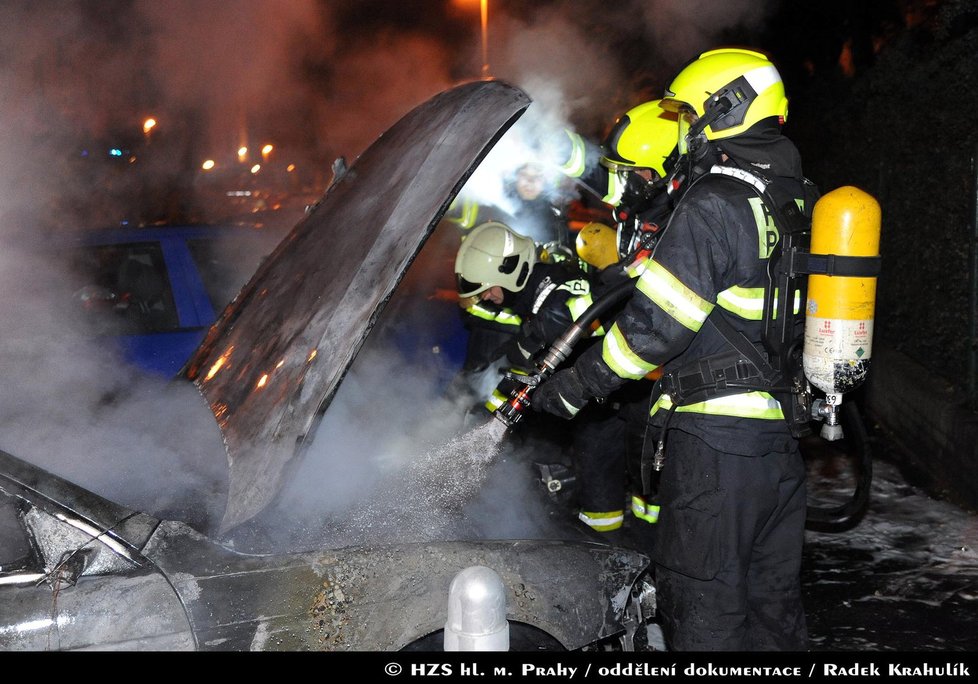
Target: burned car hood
271	364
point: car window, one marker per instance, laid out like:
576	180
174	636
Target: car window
124	289
226	264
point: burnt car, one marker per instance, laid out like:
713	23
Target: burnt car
80	572
351	499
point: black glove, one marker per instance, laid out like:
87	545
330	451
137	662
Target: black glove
562	395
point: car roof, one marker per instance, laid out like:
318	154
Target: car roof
271	364
124	234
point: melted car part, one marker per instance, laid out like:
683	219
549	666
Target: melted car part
271	364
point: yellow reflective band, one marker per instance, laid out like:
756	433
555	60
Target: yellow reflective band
602	521
767	232
470	214
495	401
574	167
577	307
760	405
616	189
677	300
621	359
569	407
746	302
504	316
643	511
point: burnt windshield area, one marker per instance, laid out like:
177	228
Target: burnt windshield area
123	289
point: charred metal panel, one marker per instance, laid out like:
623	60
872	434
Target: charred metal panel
111	612
384	598
272	362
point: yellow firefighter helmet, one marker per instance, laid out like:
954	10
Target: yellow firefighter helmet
643	137
729	90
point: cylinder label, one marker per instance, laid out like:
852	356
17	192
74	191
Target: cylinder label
838	339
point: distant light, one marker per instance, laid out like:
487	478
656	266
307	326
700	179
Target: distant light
267	149
256	168
290	168
149	124
208	165
242	153
115	152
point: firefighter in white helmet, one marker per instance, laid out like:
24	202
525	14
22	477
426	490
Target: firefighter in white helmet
728	543
496	267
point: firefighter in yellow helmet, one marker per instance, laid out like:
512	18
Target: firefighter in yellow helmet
728	543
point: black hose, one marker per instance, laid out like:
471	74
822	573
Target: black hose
845	516
564	344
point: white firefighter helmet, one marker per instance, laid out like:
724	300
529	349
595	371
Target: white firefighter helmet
492	254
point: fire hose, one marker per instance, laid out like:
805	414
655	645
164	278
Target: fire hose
512	410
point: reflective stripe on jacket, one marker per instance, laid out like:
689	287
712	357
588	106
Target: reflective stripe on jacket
710	261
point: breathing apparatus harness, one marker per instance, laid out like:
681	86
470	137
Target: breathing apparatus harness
777	366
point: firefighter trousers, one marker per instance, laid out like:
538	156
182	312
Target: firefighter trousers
728	549
599	458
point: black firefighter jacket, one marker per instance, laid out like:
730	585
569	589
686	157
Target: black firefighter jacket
711	261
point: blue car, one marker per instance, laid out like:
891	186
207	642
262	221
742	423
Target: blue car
156	290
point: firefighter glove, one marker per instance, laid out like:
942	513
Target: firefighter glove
562	395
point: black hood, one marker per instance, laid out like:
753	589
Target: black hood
762	148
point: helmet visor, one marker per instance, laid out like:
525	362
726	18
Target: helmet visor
687	118
466	288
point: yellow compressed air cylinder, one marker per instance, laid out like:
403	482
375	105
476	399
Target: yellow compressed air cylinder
840	309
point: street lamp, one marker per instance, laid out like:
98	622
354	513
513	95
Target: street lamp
485	38
484	6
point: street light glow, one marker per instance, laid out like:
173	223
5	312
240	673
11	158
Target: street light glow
148	125
208	165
